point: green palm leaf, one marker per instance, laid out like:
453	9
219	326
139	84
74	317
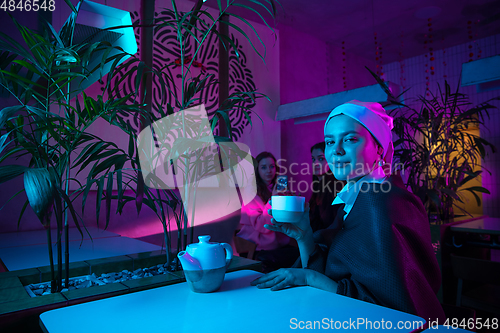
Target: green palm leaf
40	190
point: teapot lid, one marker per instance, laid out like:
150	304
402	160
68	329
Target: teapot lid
204	239
204	242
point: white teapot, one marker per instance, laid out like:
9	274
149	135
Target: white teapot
205	264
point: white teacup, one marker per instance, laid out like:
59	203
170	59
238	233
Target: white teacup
287	209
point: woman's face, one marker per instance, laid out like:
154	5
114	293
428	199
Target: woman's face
319	163
267	169
351	150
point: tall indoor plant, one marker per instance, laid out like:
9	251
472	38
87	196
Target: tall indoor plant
53	131
193	29
436	149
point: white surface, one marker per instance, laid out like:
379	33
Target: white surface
288	202
286	216
236	307
481	70
23	238
22	257
326	103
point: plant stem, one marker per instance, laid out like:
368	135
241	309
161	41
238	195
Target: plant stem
66	230
167	243
164	224
59	253
51	258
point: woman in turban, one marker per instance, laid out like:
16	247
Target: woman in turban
382	253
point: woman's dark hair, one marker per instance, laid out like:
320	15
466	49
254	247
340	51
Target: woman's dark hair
328	181
262	190
322	213
320	145
316	187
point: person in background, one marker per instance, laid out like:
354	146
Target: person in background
273	248
325	188
382	253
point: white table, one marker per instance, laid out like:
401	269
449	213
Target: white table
22	257
486	226
34	237
236	307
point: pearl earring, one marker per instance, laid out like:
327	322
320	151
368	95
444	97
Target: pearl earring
381	163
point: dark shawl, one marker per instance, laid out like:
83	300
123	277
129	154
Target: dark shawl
321	212
382	252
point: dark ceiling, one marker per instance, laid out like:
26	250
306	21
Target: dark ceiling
401	26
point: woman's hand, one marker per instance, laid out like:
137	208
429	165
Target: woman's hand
294	277
286	191
294	230
300	231
282	278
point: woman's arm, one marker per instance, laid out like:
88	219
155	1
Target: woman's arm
306	247
255	214
300	231
293	277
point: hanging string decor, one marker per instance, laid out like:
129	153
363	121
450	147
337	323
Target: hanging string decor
344	76
444	61
471	37
429	66
376	53
380	61
426	68
378	56
402	79
473	41
378	47
479	51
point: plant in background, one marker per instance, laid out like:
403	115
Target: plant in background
54	133
190	152
436	148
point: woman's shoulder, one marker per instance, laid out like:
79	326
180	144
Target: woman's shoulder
255	203
391	196
391	186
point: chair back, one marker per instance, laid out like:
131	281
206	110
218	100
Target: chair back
244	246
477	270
486	274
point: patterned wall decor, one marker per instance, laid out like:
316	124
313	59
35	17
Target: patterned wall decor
167	59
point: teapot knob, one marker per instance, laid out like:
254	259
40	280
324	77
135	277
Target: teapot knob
204	239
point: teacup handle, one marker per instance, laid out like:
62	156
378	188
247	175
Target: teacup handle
229	253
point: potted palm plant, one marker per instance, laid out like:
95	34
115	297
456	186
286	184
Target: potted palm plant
181	86
53	130
436	149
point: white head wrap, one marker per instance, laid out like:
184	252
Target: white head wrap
374	118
